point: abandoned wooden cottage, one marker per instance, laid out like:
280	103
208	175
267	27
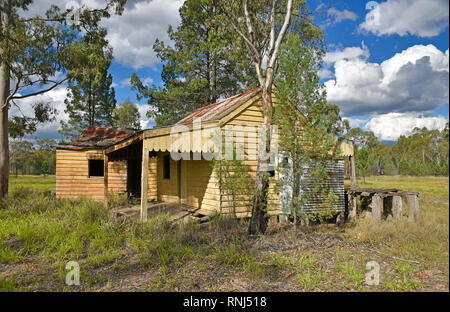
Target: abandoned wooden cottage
104	161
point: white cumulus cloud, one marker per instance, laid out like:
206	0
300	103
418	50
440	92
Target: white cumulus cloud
415	80
389	127
56	99
423	18
335	16
348	53
132	34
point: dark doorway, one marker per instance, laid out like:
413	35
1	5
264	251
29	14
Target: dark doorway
134	178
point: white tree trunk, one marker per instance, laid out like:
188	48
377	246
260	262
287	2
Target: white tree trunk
4	93
259	220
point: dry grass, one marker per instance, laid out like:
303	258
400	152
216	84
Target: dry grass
39	234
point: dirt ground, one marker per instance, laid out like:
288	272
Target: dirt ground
336	265
220	256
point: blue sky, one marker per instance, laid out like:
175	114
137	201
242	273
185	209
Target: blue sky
387	65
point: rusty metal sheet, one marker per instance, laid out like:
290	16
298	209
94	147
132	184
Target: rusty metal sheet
217	110
99	137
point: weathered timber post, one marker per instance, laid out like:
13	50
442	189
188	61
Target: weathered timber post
105	179
413	203
351	200
376	207
397	209
354	206
144	182
353	171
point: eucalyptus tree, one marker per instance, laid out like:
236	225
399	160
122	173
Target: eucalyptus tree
205	63
262	25
306	126
40	53
127	116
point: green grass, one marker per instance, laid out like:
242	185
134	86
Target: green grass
426	186
38	182
39	234
422	241
10	285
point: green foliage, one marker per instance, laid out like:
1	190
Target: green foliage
232	255
362	165
40	233
228	255
305	124
28	158
310	273
234	180
205	63
39	182
363	139
19	126
58	230
279	260
10	285
91	99
41	52
127	116
424	152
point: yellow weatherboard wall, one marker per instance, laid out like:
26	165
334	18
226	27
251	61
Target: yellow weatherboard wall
72	175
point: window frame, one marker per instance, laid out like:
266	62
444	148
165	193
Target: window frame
90	169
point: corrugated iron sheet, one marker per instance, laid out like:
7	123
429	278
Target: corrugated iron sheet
335	181
217	110
100	137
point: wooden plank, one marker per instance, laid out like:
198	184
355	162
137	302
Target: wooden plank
254	101
353	171
105	179
124	143
397	207
376	207
144	184
413	203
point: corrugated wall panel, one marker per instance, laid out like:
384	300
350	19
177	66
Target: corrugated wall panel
335	181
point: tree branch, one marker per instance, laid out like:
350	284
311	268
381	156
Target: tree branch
12	94
281	35
231	19
248	21
272	28
39	92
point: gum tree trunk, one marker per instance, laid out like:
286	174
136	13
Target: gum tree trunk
4	93
260	218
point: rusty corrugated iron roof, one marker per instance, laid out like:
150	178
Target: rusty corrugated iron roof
101	137
217	110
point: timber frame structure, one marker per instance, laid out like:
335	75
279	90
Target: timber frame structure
139	163
384	203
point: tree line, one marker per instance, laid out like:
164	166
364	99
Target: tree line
33	158
423	152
